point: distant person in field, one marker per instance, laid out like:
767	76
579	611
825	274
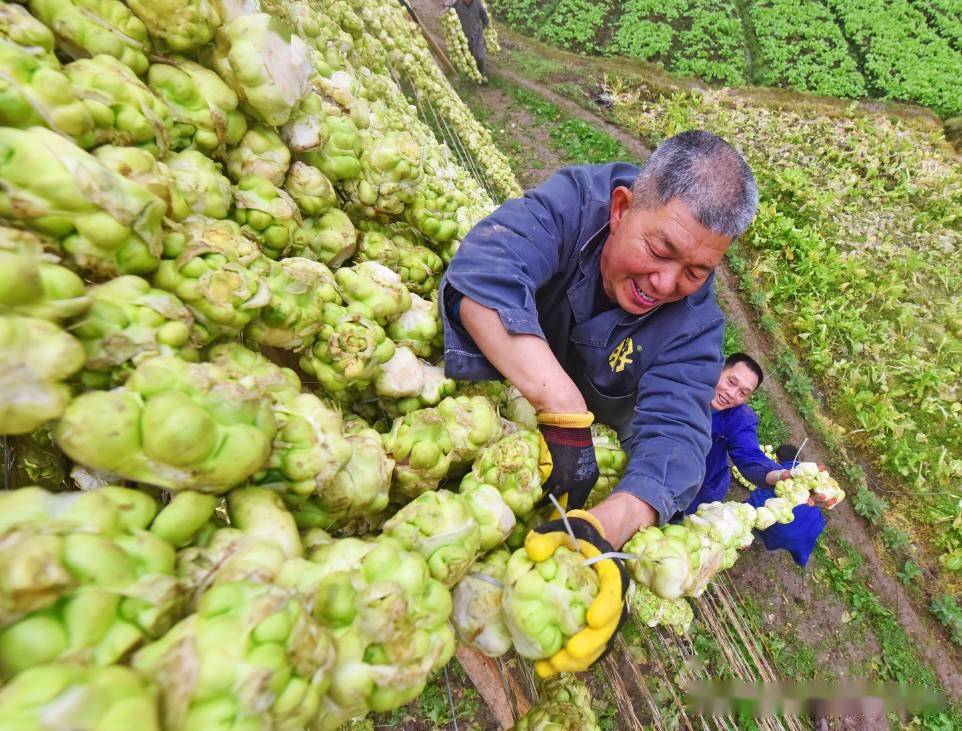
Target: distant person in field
799	536
734	433
474	19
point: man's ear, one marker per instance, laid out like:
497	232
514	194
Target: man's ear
620	206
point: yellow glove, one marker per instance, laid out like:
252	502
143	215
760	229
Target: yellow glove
607	611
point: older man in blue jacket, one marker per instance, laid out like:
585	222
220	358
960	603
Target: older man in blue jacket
593	295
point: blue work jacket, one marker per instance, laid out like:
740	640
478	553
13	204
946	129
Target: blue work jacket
734	434
799	536
536	261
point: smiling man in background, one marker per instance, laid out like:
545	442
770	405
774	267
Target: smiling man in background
734	433
593	295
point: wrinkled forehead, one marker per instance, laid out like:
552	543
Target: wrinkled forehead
686	238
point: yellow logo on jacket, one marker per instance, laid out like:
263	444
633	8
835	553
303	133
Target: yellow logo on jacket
619	356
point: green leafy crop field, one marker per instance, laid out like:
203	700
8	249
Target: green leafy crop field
903	50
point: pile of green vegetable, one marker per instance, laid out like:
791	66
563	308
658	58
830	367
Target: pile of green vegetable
222	230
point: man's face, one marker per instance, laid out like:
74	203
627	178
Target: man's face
657	256
735	387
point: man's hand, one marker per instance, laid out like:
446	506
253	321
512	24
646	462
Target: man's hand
775	475
607	612
568	465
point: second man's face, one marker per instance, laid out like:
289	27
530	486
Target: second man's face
735	386
653	257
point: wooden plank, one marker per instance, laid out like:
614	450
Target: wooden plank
484	674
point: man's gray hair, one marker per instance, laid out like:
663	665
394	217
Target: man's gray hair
707	174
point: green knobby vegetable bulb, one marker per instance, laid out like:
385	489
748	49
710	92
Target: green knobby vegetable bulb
267	214
180	25
31	284
36	92
653	611
476	615
309	448
377	245
458	50
347	353
187	514
310	189
255	371
373	290
203	107
388	618
226	555
432	212
729	524
357	491
519	410
70	696
266	65
323	136
261	152
329	238
491	40
441	527
546	602
555	717
36	357
406	383
130	321
472	423
299	290
510	465
808	477
566	688
668	559
201	188
612	461
564	702
792	490
391	165
215	270
173	424
124	110
93	27
82	580
420	444
250	656
20	28
418	328
420	269
521	529
777	510
107	224
140	166
493	515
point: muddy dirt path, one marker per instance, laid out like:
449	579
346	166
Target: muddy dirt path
928	637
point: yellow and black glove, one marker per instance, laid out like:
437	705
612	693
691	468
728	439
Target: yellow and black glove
568	465
607	612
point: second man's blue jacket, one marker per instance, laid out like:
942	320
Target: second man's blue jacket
536	261
734	434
